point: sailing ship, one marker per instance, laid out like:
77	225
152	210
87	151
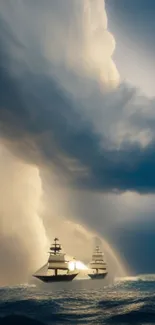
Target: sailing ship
57	266
98	265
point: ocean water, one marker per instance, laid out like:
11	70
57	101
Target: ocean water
126	301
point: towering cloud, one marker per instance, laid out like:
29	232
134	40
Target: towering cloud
40	102
63	112
21	229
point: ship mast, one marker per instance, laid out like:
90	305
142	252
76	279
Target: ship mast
57	259
55	248
98	260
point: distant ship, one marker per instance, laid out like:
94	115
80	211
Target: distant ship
57	266
98	265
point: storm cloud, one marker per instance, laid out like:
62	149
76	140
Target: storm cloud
47	121
64	111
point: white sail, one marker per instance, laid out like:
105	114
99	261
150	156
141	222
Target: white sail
98	265
97	257
57	258
98	261
42	270
58	265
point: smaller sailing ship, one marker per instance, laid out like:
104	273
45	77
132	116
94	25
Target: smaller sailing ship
98	265
57	266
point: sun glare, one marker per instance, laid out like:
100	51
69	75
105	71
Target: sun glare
77	265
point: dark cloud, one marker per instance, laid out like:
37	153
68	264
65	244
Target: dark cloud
45	124
136	245
34	105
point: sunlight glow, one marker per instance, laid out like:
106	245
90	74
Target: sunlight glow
77	265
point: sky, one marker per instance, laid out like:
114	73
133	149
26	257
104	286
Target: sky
132	23
133	26
76	132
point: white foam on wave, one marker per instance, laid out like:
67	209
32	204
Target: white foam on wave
27	285
143	277
20	286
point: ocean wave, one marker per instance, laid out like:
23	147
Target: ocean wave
104	312
18	286
18	320
134	317
143	277
130	301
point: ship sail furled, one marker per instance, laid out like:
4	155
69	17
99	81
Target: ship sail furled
56	259
58	262
98	261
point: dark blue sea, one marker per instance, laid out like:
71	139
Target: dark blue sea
126	301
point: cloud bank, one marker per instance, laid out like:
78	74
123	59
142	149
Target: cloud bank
63	109
37	107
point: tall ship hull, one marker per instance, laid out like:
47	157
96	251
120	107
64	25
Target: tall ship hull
56	278
58	269
97	276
